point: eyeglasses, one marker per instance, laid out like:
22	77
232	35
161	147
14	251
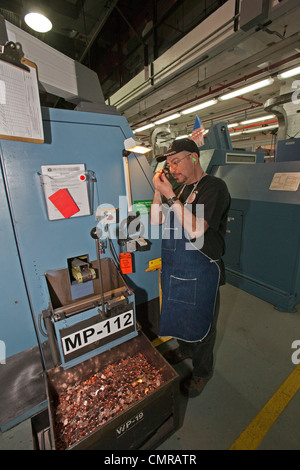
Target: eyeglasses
176	163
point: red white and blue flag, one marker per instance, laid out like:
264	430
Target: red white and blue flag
198	132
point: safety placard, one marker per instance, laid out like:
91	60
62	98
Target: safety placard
65	190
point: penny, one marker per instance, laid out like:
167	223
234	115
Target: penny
85	406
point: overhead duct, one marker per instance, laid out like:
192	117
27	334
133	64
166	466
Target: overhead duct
192	49
275	106
57	73
190	60
253	13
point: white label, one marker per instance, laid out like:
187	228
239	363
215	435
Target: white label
285	181
96	332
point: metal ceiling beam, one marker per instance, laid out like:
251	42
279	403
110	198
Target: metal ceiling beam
99	25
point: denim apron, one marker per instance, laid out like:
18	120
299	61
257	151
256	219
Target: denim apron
189	281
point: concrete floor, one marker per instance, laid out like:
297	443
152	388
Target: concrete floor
252	359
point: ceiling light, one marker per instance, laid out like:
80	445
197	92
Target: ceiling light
143	128
234	124
169	118
200	106
262	118
181	137
235	133
247	89
260	129
38	22
289	73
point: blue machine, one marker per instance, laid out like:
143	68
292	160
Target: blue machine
263	231
47	318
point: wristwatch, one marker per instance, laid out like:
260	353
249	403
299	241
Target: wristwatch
171	201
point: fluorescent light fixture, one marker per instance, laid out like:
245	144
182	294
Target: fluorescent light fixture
181	137
143	128
200	106
289	73
234	124
232	134
257	129
38	22
261	118
260	129
132	145
247	89
168	118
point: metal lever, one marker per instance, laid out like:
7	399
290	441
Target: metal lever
96	238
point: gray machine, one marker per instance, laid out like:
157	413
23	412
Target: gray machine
263	231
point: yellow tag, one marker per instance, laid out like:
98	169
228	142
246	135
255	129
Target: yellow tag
155	263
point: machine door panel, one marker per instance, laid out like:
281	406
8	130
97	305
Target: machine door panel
233	238
16	327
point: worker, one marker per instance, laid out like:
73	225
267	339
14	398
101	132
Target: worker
194	217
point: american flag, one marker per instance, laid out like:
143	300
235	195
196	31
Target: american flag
198	132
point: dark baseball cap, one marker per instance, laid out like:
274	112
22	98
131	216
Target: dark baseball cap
178	146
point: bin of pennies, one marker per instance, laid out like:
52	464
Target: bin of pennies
124	398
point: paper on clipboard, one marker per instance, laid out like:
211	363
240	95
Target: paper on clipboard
71	179
20	109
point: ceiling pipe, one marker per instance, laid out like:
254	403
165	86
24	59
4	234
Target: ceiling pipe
259	124
221	88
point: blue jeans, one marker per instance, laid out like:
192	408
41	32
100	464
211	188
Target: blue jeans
202	351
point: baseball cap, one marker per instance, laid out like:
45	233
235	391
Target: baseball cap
179	146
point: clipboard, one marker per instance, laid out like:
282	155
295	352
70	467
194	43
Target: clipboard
20	109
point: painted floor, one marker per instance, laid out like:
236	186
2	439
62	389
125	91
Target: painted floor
252	400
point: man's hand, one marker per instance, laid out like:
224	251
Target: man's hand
162	184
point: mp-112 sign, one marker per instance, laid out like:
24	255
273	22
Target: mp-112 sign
96	332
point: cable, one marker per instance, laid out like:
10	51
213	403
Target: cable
112	250
41	327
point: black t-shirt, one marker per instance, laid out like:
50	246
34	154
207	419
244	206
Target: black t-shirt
212	192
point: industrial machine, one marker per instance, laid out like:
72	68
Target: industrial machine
262	240
69	309
65	301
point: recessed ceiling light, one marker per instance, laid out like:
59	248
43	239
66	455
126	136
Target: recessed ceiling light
38	22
